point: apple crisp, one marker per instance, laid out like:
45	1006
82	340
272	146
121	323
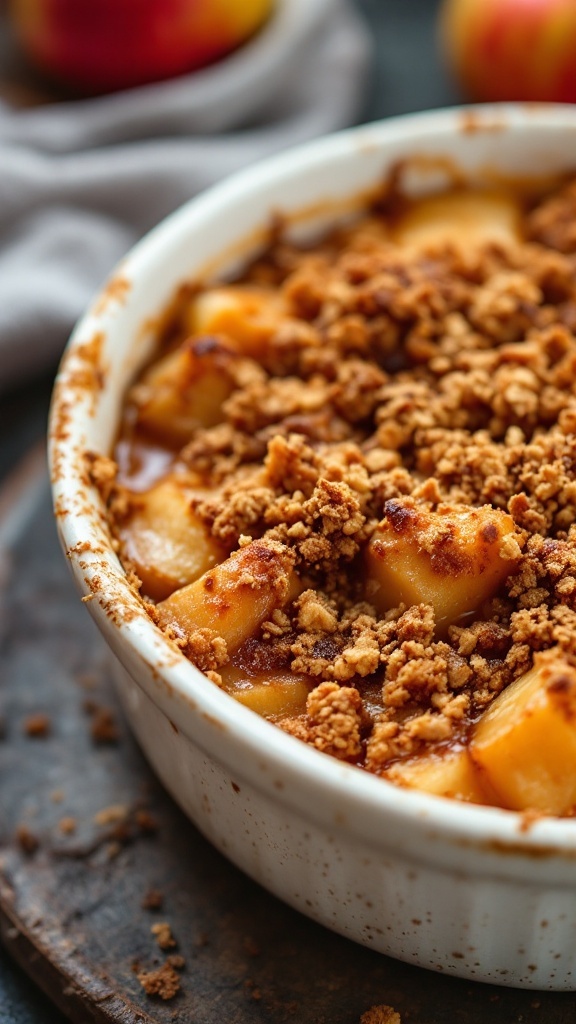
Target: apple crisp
347	486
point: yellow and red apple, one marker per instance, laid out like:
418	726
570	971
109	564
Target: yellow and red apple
511	49
102	45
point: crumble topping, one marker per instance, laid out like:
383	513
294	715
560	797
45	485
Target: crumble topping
403	384
333	725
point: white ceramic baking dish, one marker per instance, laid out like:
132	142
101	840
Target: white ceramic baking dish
464	889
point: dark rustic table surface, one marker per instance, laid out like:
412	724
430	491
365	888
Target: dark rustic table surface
407	76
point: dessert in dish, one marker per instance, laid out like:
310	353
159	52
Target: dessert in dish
346	489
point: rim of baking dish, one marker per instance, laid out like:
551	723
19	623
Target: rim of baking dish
343	797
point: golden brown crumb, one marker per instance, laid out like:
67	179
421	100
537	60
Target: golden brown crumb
103	727
102	472
67	825
146	821
38	726
153	900
333	721
111	815
163	982
206	649
27	840
553	222
380	1015
163	934
213	676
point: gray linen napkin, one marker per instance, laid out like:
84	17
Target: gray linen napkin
81	181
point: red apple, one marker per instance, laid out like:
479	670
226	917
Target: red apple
512	49
102	45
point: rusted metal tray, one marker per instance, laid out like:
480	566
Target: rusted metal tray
93	853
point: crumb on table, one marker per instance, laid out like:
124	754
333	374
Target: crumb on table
164	982
382	1014
163	934
38	725
153	899
27	840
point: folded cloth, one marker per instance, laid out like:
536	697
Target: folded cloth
81	181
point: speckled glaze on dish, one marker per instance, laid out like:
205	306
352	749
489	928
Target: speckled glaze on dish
467	890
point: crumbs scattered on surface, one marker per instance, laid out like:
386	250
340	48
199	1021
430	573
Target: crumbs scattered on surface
163	934
103	725
38	726
27	840
67	825
146	821
252	990
382	1014
153	900
163	982
112	815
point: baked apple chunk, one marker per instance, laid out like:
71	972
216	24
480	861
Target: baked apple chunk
454	559
165	542
450	773
525	743
186	389
466	217
235	597
248	314
272	693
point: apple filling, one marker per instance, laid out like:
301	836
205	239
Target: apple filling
346	487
